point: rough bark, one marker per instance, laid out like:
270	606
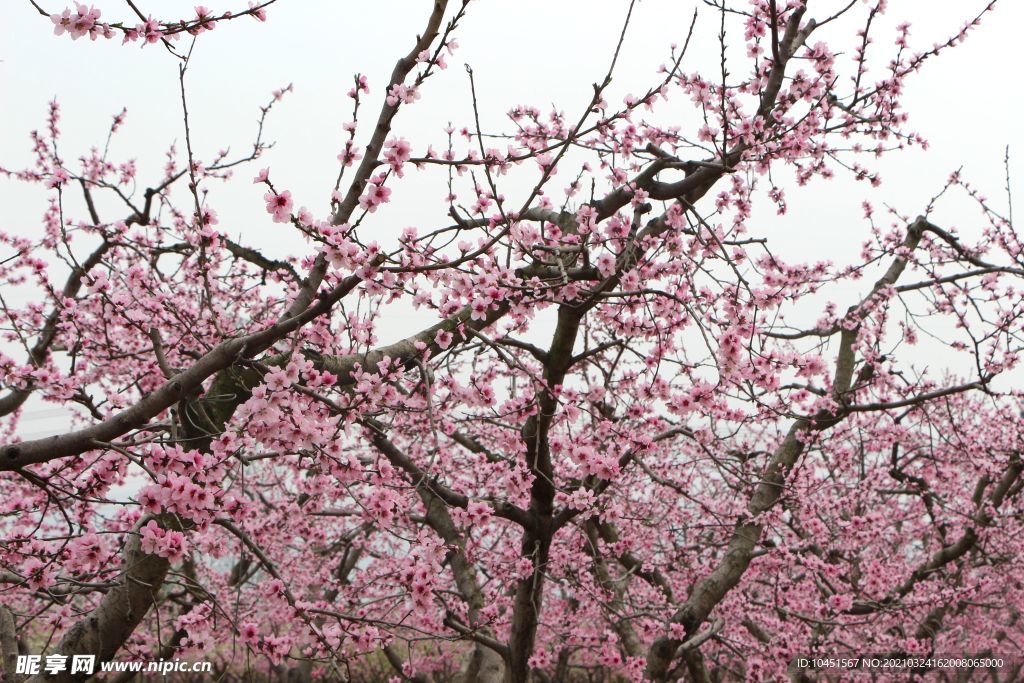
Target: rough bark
104	630
8	645
536	543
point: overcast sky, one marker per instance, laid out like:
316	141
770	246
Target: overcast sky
966	103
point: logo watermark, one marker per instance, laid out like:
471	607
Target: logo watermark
890	664
31	665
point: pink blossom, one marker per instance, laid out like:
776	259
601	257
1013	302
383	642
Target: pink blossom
257	11
350	155
208	217
840	603
396	152
149	31
279	205
85	552
374	196
443	338
152	538
249	632
402	93
59	177
84	20
173	546
479	308
204	20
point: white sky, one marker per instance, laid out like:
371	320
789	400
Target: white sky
966	103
